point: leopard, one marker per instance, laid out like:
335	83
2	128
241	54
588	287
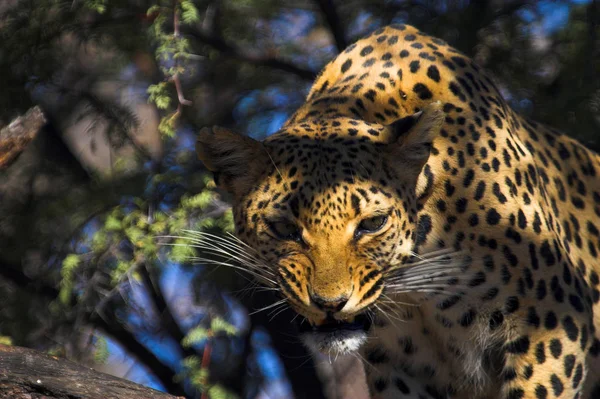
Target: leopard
412	218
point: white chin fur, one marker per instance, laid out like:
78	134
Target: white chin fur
340	342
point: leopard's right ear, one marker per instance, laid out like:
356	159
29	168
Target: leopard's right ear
412	136
235	160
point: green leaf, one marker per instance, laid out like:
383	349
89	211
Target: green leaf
99	241
227	223
191	362
181	251
70	262
101	352
219	392
195	336
98	6
219	325
207	223
67	272
167	125
153	9
112	223
200	201
134	234
159	95
121	270
189	14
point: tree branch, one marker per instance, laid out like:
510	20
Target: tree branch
248	56
114	330
162	308
15	137
333	20
25	373
128	341
176	32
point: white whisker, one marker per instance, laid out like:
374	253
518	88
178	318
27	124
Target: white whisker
283	308
384	313
395	302
223	254
391	309
274	304
427	274
219	263
222	246
436	285
433	291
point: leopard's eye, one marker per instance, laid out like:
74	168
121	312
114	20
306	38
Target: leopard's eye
371	225
286	230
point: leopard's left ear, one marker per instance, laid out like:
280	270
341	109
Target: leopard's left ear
235	160
412	136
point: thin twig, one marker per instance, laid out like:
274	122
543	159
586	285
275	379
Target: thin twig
176	33
205	364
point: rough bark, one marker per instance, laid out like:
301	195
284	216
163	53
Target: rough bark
15	136
28	374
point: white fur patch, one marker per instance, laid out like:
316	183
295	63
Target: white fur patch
340	342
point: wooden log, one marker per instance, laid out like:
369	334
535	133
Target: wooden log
29	374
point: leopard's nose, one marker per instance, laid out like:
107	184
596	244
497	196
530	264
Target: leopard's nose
329	304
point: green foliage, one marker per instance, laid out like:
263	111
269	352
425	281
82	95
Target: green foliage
4	340
195	336
189	12
131	235
181	251
113	222
172	52
218	325
219	392
98	6
168	124
99	240
201	200
67	272
193	367
159	95
199	377
101	352
122	269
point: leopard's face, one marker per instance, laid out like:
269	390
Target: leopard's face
329	228
328	211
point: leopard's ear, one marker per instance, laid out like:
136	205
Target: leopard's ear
412	136
235	160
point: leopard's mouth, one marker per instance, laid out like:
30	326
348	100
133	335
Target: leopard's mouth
360	322
336	336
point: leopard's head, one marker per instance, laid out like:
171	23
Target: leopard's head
327	207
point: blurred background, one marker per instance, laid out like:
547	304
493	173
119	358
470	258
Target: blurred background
125	85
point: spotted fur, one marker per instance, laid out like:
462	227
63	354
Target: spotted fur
483	280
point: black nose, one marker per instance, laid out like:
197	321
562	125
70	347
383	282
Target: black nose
329	304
